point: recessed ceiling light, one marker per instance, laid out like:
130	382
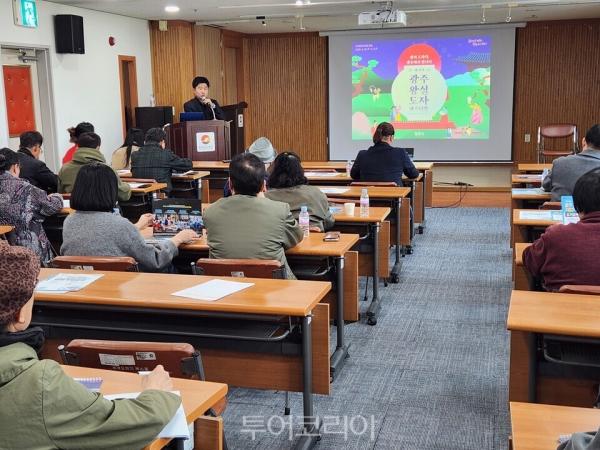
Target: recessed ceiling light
172	9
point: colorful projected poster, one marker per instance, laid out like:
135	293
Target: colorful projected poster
428	89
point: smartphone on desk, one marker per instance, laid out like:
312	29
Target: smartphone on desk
331	236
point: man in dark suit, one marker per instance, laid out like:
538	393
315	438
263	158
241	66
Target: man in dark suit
154	161
202	103
32	169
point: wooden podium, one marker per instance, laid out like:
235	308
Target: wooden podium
200	140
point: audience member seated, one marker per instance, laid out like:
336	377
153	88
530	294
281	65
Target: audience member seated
25	206
288	184
154	161
88	152
74	133
265	151
95	230
32	169
382	162
567	169
121	158
42	407
568	254
247	225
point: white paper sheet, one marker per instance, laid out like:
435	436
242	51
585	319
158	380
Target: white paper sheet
212	290
528	191
333	190
66	282
66	203
541	215
137	185
183	174
323	174
176	428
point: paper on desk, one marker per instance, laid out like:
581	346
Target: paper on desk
183	174
66	282
530	176
123	171
528	191
333	190
212	290
323	174
66	203
541	215
137	185
176	428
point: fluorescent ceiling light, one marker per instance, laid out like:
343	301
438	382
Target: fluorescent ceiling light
172	9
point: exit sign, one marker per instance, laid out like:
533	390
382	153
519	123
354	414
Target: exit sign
25	13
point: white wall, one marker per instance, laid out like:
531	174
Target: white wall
85	87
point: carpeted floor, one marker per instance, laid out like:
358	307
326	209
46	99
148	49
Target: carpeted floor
433	373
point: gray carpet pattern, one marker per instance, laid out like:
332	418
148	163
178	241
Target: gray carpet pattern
433	373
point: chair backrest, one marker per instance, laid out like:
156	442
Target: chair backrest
373	183
179	359
109	263
551	205
251	268
557	130
579	289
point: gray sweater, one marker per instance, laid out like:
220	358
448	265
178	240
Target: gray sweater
567	170
87	233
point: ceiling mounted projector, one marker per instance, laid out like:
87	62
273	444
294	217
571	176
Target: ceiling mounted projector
383	16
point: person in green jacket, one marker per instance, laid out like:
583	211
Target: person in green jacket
45	409
88	151
288	184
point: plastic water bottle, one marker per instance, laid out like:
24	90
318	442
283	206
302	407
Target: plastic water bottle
304	220
348	167
364	203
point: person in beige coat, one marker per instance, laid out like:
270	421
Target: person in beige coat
247	225
288	184
45	409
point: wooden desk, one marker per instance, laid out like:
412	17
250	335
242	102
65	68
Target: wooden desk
532	314
399	218
522	228
533	168
537	427
523	180
521	277
528	200
375	227
197	397
148	188
229	332
343	302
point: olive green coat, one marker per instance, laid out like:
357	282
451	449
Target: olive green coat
43	409
247	227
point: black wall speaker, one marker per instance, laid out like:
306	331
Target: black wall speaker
68	33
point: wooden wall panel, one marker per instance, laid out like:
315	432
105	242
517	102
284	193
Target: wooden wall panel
557	79
172	64
287	94
209	59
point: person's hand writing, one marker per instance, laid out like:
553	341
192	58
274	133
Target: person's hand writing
157	379
184	236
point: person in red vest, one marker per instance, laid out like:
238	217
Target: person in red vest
75	132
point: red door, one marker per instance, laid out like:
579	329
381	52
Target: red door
19	99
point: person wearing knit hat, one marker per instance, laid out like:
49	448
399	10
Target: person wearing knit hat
42	407
263	148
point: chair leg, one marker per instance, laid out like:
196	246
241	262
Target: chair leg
286	410
365	298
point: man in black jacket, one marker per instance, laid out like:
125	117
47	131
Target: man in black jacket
154	161
202	103
32	169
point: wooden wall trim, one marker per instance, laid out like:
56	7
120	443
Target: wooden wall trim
557	74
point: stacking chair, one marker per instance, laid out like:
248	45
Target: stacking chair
556	132
250	268
108	263
179	359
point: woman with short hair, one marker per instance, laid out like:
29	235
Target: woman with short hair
95	230
288	184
